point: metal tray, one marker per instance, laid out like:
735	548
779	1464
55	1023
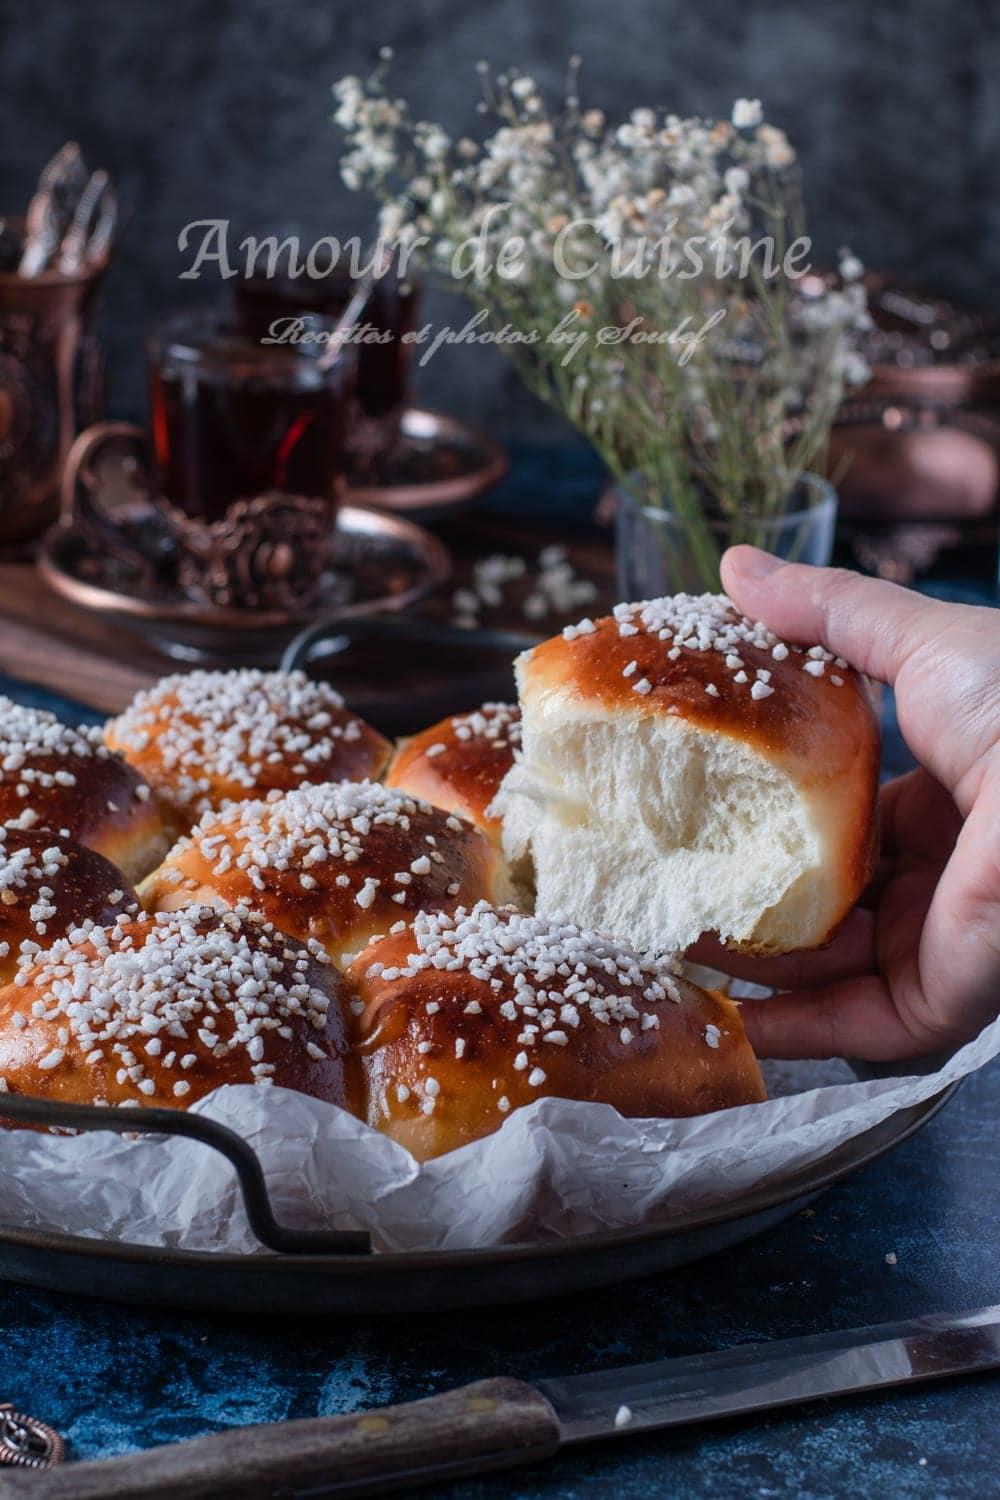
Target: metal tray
315	1273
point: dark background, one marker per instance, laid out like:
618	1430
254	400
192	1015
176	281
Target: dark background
220	109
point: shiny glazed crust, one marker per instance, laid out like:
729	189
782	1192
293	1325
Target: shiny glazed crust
459	763
50	886
105	805
463	1038
148	1044
208	738
339	863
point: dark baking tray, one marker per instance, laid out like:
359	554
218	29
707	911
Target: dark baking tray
300	1278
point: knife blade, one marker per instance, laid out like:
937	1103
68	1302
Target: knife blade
758	1377
504	1423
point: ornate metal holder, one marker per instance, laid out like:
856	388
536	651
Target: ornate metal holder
115	553
269	551
25	1109
51	385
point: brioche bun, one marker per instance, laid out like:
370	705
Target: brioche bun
203	739
161	1010
683	771
470	1016
459	763
51	886
65	781
334	863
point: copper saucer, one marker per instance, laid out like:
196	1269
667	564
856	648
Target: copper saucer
386	563
435	464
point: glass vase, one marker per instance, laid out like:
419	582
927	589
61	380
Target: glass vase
659	552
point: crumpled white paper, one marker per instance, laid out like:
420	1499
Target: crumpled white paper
555	1169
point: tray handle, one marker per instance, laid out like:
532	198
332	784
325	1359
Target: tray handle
27	1109
335	634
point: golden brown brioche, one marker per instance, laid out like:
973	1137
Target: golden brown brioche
460	763
203	739
335	863
469	1016
161	1010
49	887
683	771
65	780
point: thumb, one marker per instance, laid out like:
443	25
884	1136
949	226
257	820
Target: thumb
874	625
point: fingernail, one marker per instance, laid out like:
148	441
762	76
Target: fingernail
753	563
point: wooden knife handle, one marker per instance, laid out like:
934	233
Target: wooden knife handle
494	1424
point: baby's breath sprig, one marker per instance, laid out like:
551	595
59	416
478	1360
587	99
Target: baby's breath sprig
640	225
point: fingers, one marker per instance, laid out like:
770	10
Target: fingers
918	819
854	1019
875	625
851	953
959	951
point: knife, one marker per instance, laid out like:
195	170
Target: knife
503	1423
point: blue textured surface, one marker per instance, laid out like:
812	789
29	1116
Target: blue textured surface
115	1379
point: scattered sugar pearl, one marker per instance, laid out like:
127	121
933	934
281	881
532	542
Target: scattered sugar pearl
814	668
741	677
643	686
547	970
623	1416
630	669
238	723
837	681
711	690
761	690
177	974
712	1035
779	651
503	1104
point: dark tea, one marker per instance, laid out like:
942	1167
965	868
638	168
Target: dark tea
233	418
383	360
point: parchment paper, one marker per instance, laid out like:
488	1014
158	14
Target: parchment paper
555	1169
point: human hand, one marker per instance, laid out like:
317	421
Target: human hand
916	966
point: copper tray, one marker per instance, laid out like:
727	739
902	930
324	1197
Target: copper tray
388	564
435	465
